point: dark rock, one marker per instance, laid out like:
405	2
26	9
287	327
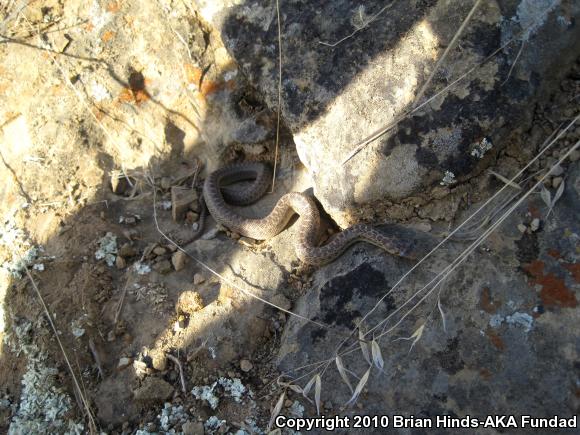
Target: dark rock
509	310
153	389
333	97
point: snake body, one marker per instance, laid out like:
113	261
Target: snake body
218	195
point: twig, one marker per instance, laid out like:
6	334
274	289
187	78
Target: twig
279	95
514	62
92	424
178	364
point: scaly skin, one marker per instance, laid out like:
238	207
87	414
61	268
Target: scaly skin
286	207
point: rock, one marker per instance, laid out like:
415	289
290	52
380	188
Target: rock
281	301
246	365
189	302
198	279
522	228
356	86
181	200
120	262
165	183
153	389
158	359
471	326
556	171
535	225
574	155
178	259
159	250
127	250
163	267
556	181
124	362
191	217
193	428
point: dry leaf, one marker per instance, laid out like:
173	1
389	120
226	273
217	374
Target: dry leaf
308	386
359	388
317	390
364	347
377	355
342	371
276	410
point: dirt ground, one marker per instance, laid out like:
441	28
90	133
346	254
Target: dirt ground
140	93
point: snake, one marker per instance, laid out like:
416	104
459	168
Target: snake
219	194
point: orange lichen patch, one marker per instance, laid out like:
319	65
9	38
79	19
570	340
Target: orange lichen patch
89	27
107	36
486	303
193	74
554	291
209	87
554	254
126	95
495	339
574	269
140	96
113	7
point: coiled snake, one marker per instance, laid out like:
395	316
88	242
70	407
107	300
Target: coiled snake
218	195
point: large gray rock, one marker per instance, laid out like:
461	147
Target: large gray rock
335	96
509	342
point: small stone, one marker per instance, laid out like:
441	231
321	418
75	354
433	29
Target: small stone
246	365
111	336
120	262
153	389
574	155
124	363
189	302
158	359
557	171
163	267
198	279
127	251
159	250
288	403
192	428
165	183
131	220
556	181
522	228
281	301
535	225
178	260
191	217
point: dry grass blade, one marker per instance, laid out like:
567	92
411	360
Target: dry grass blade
317	391
180	368
296	388
441	312
361	384
506	180
309	386
342	372
364	347
92	424
276	410
279	95
377	355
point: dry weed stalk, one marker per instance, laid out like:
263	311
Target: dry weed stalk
78	389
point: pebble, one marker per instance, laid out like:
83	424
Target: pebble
189	302
124	362
178	259
557	171
574	155
557	181
163	267
158	359
535	225
153	389
120	262
192	428
522	228
246	365
159	250
127	250
198	279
